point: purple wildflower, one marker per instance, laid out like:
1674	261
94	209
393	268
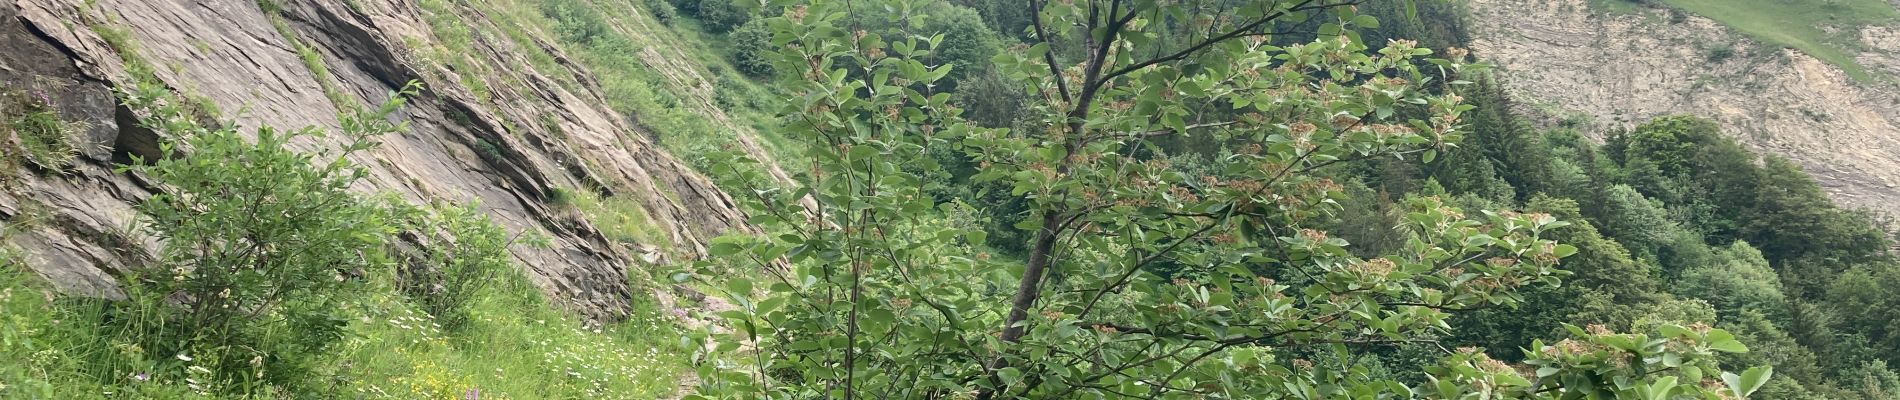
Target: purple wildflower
472	394
141	377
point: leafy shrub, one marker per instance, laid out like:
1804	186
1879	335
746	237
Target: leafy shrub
662	10
967	44
752	49
717	16
576	20
989	99
559	197
465	255
1737	278
269	238
261	244
1009	18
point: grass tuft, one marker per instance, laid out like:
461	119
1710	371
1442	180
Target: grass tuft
36	129
621	219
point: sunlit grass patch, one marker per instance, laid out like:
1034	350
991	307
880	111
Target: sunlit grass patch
511	349
1826	29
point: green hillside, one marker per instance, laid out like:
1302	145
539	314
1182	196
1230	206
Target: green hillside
988	199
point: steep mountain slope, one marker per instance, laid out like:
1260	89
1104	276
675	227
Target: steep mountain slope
1604	70
495	125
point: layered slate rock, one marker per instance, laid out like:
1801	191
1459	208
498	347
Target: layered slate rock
510	151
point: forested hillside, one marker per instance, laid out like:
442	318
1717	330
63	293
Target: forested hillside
893	199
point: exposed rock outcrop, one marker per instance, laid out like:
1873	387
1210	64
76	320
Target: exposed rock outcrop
1616	70
509	150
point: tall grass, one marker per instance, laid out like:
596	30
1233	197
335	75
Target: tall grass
42	137
622	219
516	347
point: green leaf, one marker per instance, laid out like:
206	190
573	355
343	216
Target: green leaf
1728	346
740	286
1174	122
1329	29
1366	21
1010	375
1749	381
1673	330
1564	250
1448	390
734	315
769	305
880	316
721	249
1660	389
863	152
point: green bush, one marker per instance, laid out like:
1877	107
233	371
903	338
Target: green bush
262	244
967	44
752	49
464	254
662	10
989	99
717	16
576	20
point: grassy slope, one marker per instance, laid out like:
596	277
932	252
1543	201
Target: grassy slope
518	346
671	78
1802	24
664	94
636	358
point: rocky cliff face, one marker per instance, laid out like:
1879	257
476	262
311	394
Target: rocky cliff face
511	146
1603	71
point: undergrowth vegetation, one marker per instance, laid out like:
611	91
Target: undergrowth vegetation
1132	206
